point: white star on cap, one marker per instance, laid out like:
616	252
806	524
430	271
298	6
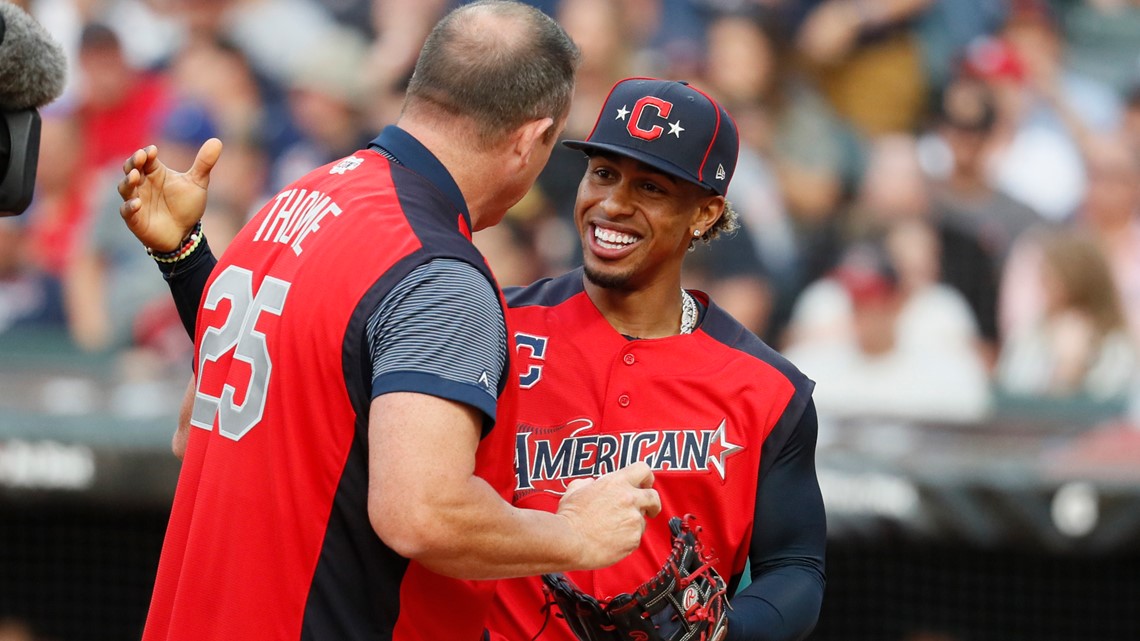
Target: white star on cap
675	128
622	113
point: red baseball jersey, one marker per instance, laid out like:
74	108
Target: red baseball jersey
697	408
269	537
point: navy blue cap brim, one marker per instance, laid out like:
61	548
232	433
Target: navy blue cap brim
649	159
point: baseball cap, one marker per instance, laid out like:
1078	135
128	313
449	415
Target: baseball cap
866	273
990	58
670	126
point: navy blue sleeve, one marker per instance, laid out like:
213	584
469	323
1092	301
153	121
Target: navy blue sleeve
783	600
187	281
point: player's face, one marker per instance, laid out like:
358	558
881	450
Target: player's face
635	222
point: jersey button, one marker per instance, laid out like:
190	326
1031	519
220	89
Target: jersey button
623	400
629	359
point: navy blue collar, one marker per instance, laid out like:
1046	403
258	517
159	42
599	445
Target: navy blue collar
411	153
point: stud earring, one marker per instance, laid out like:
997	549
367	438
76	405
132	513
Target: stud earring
696	233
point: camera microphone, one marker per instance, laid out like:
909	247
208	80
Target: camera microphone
33	70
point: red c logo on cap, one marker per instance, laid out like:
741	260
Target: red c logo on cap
654	132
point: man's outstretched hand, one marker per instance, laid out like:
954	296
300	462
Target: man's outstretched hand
160	205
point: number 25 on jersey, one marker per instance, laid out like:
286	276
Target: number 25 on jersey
238	333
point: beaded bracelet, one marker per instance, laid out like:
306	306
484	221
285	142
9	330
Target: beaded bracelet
188	246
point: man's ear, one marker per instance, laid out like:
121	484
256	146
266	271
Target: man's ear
531	136
710	210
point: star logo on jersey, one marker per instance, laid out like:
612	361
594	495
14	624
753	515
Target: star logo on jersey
347	164
720	449
548	458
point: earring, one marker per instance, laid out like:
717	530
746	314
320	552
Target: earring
696	233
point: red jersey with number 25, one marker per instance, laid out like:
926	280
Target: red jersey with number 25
269	537
695	407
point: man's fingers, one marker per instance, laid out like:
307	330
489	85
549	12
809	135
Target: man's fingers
650	503
576	485
129	208
149	161
204	162
128	184
638	474
134	161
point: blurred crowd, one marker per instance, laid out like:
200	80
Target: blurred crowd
939	198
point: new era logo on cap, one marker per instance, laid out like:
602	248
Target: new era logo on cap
670	126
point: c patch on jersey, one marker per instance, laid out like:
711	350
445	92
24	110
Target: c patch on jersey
529	346
548	458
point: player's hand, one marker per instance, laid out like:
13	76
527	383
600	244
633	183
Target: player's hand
608	513
160	205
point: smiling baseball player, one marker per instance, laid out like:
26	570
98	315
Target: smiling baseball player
619	364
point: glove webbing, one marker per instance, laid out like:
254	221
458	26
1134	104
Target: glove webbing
669	583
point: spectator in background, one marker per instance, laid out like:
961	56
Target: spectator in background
796	156
120	107
28	296
117	109
1111	211
961	191
895	189
1103	39
947	28
1109	214
1044	111
867	58
884	340
59	207
398	26
1078	346
326	102
279	36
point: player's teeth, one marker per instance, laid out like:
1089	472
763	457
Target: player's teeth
612	237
